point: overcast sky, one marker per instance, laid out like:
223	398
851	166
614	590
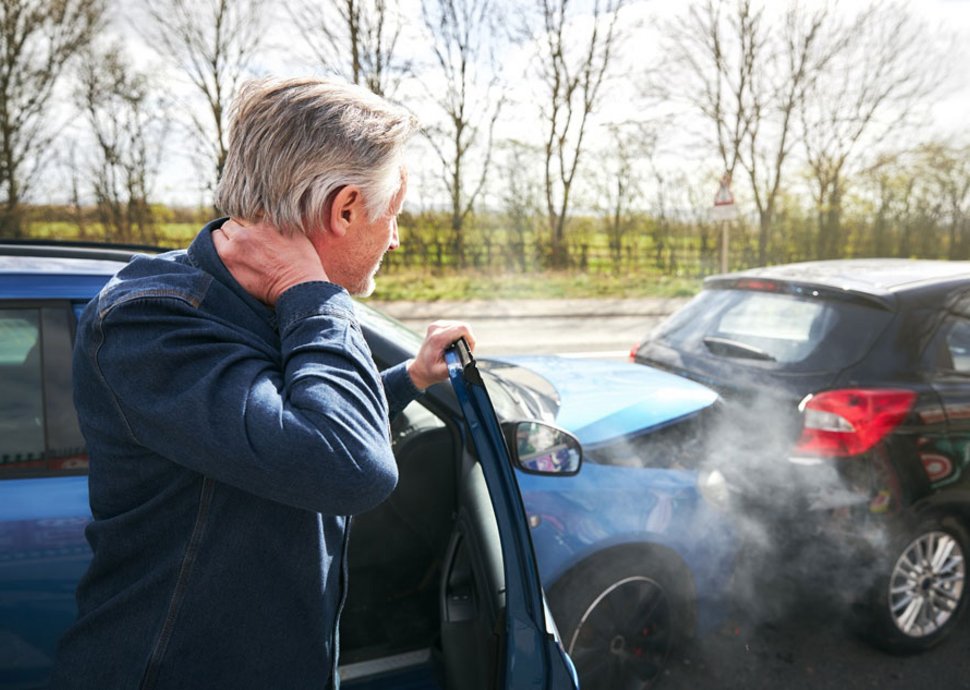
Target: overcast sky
285	55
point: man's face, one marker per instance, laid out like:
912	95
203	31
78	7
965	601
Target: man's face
363	247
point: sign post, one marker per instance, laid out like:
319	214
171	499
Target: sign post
724	211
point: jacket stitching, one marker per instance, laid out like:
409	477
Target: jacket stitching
104	312
292	319
97	368
181	587
193	299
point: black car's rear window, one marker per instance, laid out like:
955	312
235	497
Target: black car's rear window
798	332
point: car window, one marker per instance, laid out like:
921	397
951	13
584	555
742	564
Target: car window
21	388
774	318
795	331
958	345
39	433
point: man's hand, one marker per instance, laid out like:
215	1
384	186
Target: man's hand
429	367
264	261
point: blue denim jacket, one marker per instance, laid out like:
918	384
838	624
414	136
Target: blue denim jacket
229	443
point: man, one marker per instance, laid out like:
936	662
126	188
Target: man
233	413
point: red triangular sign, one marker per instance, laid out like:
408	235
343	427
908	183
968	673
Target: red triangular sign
724	196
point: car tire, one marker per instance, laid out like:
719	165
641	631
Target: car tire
621	613
922	593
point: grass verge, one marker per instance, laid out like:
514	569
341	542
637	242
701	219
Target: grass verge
424	287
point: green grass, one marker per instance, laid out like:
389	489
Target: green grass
172	235
421	286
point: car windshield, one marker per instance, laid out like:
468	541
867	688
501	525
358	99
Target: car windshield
779	329
522	393
399	333
516	393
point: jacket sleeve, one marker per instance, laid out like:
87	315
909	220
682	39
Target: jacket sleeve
305	424
399	387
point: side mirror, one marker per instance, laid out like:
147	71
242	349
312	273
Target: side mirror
539	448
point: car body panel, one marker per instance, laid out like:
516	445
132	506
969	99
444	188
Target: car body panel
43	554
602	400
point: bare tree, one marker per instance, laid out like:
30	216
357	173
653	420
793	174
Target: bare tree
37	39
572	69
620	181
747	77
882	75
950	172
128	126
466	88
212	42
519	192
356	40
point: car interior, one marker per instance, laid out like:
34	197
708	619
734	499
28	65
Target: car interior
425	567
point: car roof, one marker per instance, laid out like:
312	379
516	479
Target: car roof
40	257
51	270
875	277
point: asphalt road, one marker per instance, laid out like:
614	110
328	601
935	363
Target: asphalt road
809	647
575	327
805	645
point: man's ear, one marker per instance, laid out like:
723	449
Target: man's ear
346	210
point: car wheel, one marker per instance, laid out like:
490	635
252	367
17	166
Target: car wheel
620	615
923	595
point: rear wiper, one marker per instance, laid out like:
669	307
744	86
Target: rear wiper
732	348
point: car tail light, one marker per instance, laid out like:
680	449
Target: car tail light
842	423
633	352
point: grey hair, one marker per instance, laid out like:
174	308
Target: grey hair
295	142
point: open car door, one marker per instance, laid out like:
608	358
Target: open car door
496	630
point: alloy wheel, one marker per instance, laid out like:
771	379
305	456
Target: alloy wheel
624	636
926	584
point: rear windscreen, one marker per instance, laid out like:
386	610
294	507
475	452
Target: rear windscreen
777	330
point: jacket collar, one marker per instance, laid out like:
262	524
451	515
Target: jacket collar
202	253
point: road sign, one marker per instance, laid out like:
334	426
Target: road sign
724	208
724	197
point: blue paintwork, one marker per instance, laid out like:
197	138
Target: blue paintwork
57	286
602	400
43	554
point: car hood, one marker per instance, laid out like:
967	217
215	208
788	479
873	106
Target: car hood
601	400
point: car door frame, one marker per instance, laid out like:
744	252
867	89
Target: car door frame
532	655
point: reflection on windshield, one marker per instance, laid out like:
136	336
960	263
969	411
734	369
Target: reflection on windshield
519	393
382	323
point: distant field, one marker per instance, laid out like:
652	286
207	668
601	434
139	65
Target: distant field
168	234
418	285
425	284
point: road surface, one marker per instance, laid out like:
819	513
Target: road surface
573	327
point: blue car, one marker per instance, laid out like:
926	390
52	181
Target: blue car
447	576
635	551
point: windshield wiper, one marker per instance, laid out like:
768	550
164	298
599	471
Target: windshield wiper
733	348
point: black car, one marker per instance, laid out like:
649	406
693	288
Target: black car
846	430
